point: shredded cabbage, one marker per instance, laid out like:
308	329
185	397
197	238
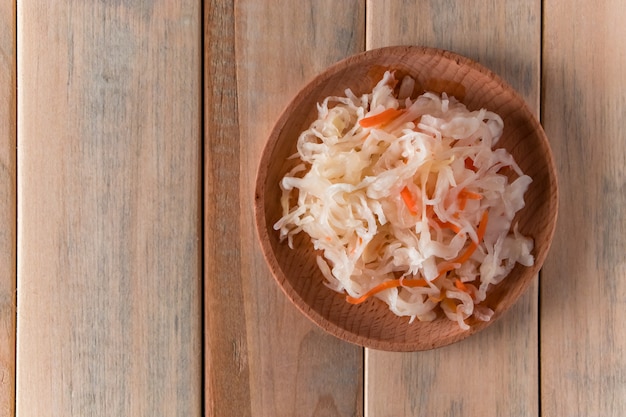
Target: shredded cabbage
401	201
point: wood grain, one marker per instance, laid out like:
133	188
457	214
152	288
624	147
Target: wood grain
294	368
494	372
227	385
108	124
109	254
8	201
583	290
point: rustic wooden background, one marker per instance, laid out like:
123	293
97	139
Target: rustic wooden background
132	283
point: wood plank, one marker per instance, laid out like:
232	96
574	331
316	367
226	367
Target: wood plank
8	136
109	252
496	371
583	338
294	368
227	385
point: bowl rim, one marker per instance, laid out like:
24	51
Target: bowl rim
260	186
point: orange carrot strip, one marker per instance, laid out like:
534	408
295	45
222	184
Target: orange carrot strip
471	290
430	213
409	200
460	285
464	195
445	268
482	227
414	282
383	117
394	283
419	282
470	194
462	202
448	225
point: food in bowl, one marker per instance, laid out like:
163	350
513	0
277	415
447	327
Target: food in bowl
408	201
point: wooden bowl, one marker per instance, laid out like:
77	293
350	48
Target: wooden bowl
371	324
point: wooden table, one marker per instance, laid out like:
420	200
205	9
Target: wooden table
132	283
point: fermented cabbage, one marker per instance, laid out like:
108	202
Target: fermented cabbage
407	200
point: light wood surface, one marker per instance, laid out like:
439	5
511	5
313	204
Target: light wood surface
583	287
139	127
109	186
8	131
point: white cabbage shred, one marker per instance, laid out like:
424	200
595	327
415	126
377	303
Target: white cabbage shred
403	201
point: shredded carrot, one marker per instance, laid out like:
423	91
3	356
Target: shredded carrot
380	287
482	227
448	225
409	200
414	282
460	285
419	282
465	195
471	290
381	118
430	213
394	283
470	194
445	267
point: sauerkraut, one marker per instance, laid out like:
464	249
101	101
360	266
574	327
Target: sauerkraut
407	200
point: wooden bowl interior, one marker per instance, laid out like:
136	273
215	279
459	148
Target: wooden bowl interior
371	324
